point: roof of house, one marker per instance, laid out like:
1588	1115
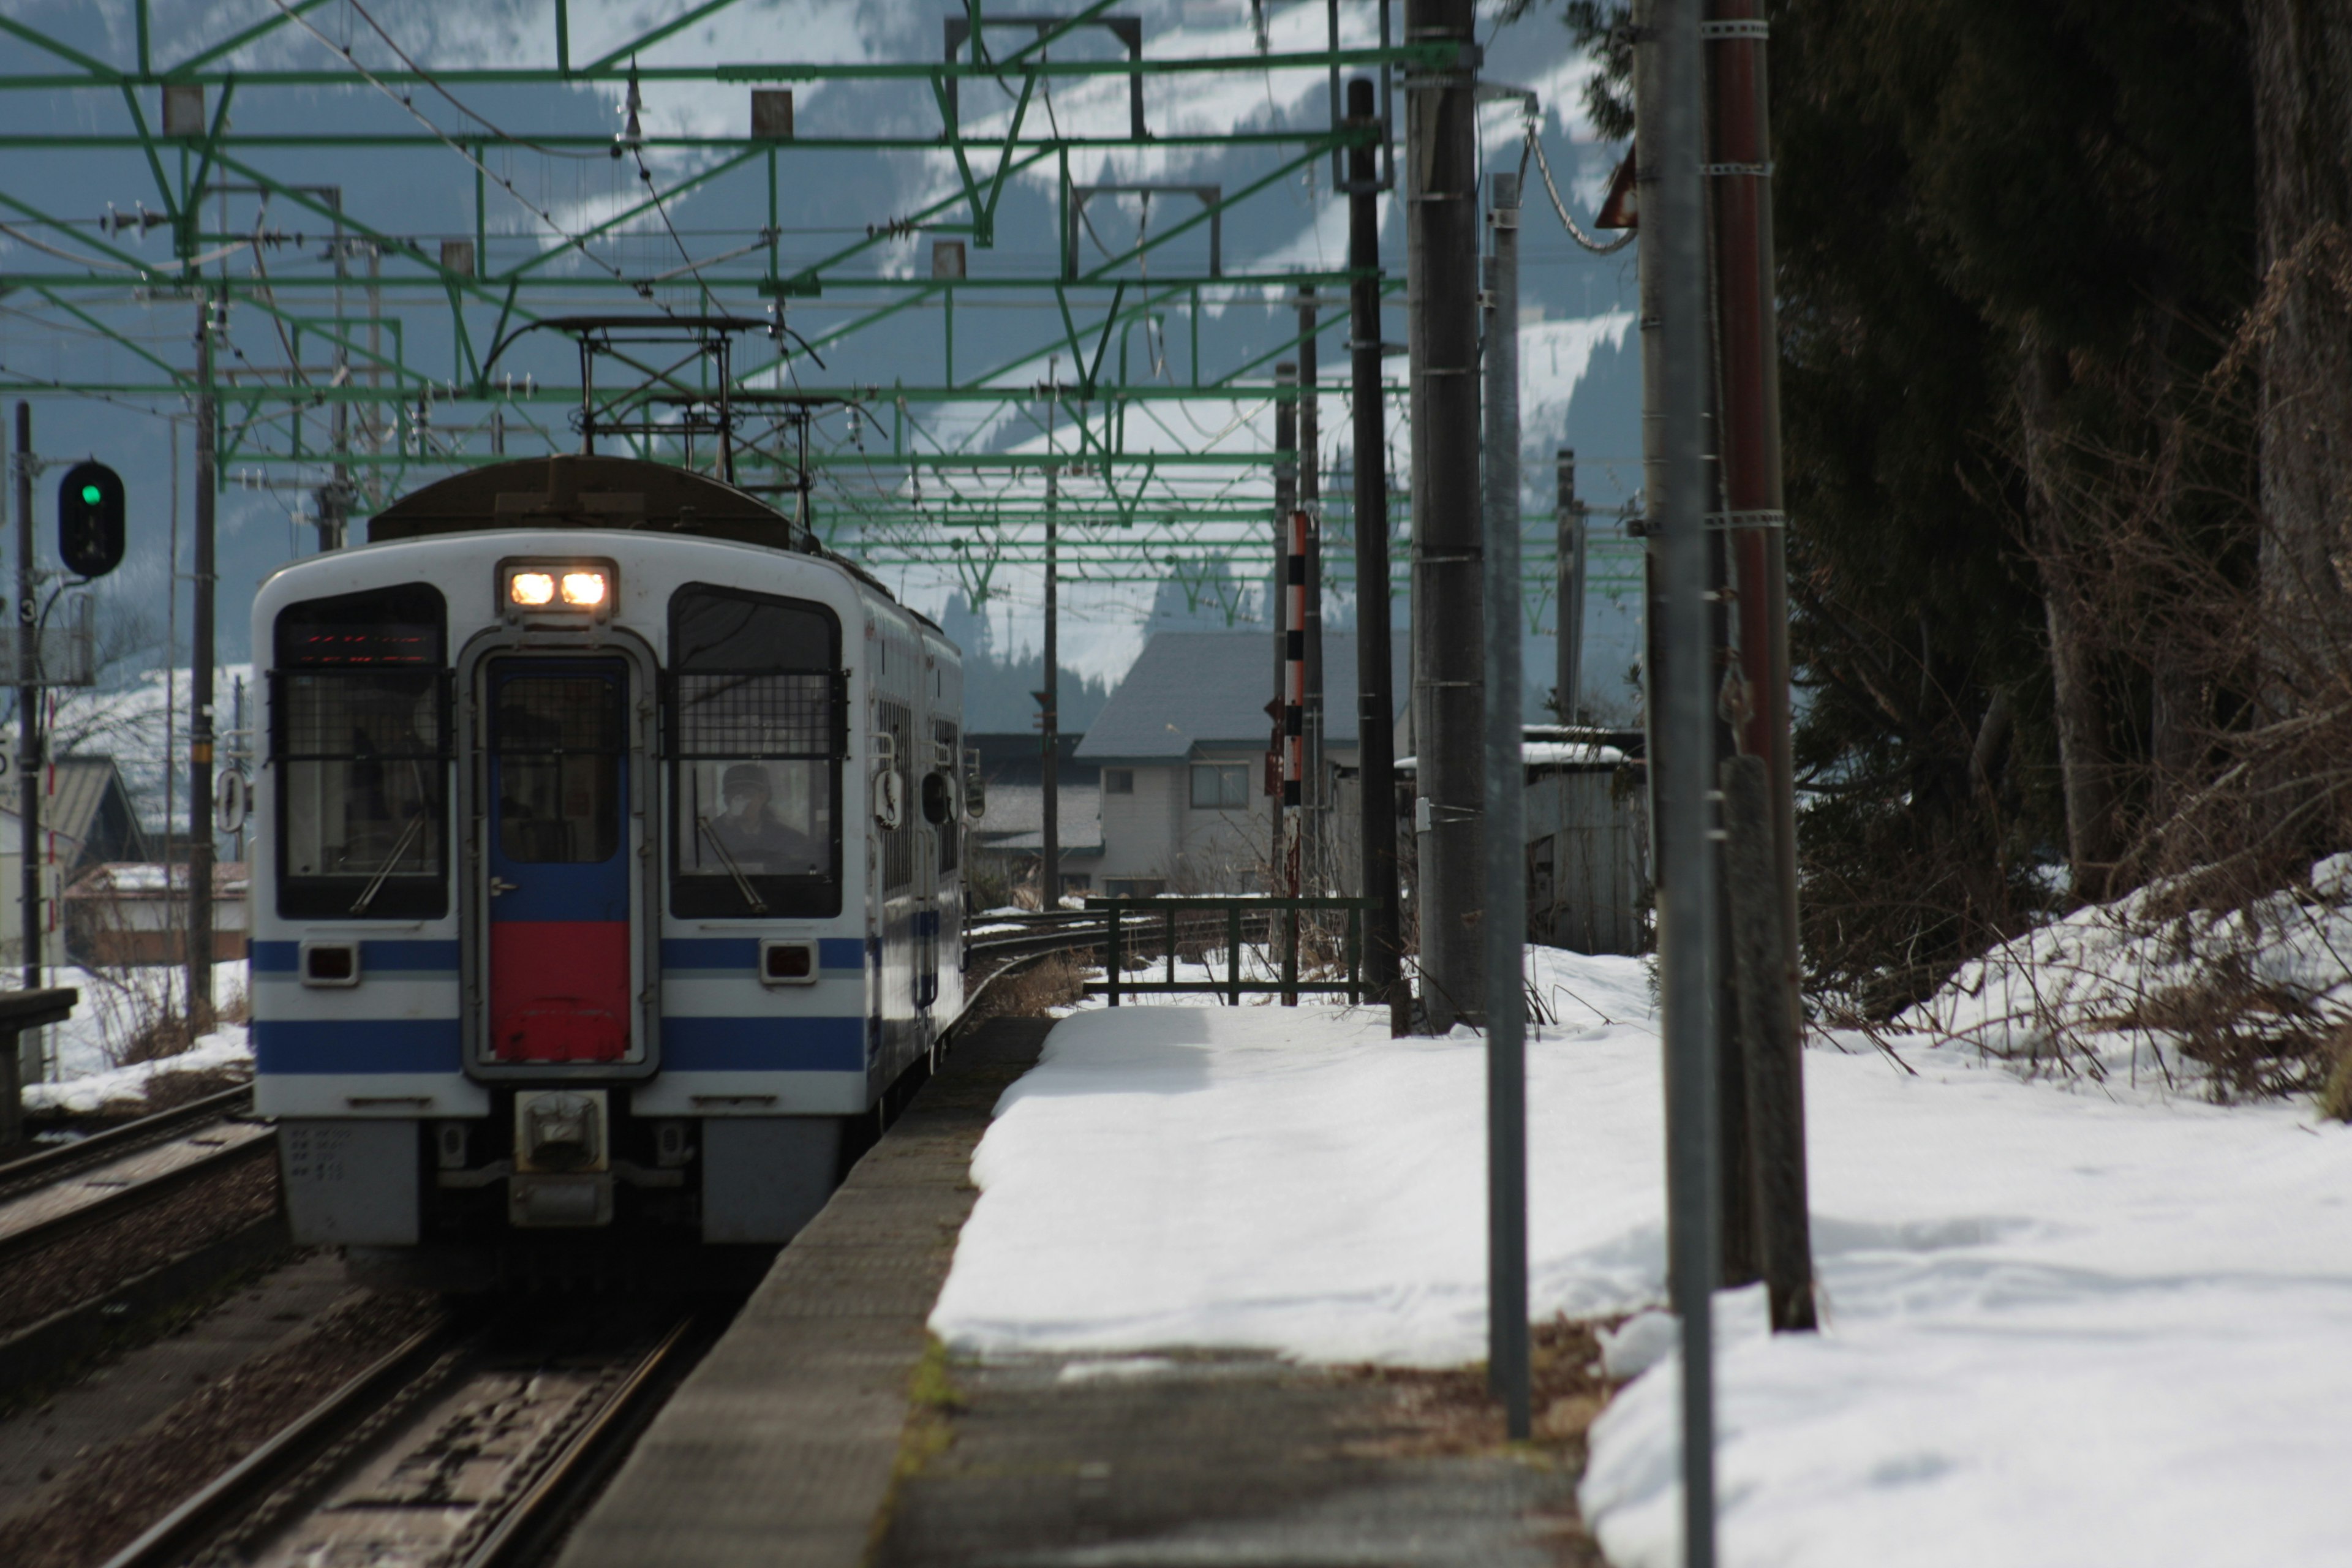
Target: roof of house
74	807
1194	689
1015	818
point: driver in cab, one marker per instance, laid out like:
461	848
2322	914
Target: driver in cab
750	829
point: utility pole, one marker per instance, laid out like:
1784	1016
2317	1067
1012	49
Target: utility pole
28	706
1049	865
1285	501
11	1061
1682	701
1313	825
1568	683
1375	699
200	697
1448	623
1506	923
1749	435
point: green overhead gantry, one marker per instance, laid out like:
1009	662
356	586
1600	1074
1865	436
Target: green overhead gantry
1130	414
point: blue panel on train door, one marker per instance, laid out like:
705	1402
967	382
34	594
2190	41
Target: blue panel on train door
559	859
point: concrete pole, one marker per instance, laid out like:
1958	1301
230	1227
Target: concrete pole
1505	893
1375	693
200	698
29	708
1049	864
1568	682
1674	333
1314	814
1749	433
1448	644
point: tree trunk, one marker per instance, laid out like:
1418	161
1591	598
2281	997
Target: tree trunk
2086	770
2302	53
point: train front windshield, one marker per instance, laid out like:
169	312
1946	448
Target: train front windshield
757	735
360	737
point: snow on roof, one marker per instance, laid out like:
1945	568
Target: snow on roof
1551	754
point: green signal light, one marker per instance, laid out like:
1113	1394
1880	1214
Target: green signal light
90	493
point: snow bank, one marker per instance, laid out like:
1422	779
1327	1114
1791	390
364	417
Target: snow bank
2063	1329
94	1092
2096	990
116	1004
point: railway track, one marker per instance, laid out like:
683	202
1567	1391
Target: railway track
59	1192
474	1445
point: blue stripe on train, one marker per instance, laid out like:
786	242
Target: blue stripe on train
763	1045
377	957
433	1044
357	1046
741	953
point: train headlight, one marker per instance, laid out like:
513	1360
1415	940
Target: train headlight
553	593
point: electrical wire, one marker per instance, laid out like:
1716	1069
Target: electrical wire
578	243
1535	145
431	81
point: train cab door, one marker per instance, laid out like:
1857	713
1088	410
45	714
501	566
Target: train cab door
556	859
927	918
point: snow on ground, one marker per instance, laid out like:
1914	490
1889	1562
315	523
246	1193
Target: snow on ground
2064	1328
2093	992
94	1092
83	1051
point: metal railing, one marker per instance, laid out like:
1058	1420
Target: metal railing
1123	926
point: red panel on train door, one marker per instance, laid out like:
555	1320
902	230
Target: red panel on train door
559	862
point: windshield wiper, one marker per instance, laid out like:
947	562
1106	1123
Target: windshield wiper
743	883
400	847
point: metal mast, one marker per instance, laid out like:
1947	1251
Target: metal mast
1682	701
1506	921
200	696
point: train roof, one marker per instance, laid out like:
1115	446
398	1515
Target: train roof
572	491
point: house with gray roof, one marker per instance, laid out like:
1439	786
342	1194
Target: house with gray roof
1182	747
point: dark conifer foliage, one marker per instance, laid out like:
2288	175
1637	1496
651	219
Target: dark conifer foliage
2014	237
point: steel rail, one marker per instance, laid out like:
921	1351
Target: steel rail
293	1475
137	1195
178	1535
46	1165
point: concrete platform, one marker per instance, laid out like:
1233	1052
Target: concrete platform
779	1449
791	1445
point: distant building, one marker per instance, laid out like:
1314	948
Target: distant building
87	819
1586	809
1009	840
1183	746
137	913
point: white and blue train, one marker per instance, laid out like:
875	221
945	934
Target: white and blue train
608	870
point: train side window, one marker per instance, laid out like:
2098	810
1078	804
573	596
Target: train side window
359	711
756	733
